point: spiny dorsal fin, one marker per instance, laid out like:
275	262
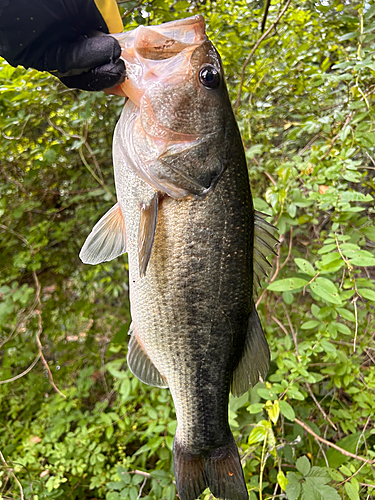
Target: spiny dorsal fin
141	365
147	227
264	241
107	239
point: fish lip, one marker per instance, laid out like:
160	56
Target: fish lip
148	45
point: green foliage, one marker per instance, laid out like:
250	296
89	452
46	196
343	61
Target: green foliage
306	115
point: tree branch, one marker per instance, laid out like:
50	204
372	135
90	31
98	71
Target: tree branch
332	445
40	330
263	37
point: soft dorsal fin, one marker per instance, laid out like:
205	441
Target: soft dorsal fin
107	239
147	227
255	359
141	365
264	241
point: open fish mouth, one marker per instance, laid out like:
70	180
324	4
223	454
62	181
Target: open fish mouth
152	52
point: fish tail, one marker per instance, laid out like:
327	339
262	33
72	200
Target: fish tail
220	470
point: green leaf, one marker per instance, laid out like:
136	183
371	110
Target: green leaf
113	495
346	314
309	325
287	411
255	408
115	485
369	232
326	290
282	480
293	488
327	346
351	491
369	13
273	410
114	368
305	266
303	465
287	284
257	434
321	474
315	490
363	261
121	335
336	458
367	293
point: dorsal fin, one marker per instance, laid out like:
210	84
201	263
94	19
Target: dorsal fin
264	241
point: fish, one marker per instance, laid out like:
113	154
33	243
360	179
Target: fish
196	247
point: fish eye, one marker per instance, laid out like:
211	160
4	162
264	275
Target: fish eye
209	77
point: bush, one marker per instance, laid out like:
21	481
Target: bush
306	116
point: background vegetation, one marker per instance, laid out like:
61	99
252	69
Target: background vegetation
305	105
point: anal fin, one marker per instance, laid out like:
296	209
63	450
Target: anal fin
147	227
141	365
255	359
107	239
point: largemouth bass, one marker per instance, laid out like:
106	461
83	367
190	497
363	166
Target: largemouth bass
186	218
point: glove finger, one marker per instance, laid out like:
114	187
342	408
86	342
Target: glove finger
100	78
84	54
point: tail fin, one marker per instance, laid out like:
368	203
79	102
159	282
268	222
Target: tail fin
220	470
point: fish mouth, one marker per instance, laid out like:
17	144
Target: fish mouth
150	53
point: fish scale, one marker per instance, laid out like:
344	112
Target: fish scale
186	218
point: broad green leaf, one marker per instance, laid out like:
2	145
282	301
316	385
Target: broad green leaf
257	434
273	410
293	488
315	490
287	284
309	325
282	480
335	458
363	261
305	266
255	408
367	293
325	289
327	346
351	491
369	12
287	410
346	314
369	232
303	465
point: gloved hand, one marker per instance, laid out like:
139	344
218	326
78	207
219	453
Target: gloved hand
91	63
66	38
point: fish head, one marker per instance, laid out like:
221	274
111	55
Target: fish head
175	79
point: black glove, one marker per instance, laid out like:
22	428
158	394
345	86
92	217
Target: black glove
91	63
64	37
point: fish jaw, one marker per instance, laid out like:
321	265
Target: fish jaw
150	53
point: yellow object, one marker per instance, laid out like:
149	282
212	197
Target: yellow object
111	15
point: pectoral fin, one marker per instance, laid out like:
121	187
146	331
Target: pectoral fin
147	227
264	241
107	239
141	365
255	359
